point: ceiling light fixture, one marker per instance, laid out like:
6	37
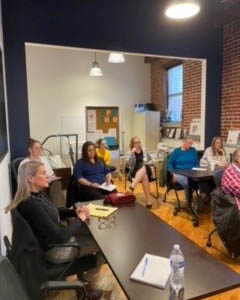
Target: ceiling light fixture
116	58
182	9
95	70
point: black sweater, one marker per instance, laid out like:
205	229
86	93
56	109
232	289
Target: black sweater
44	220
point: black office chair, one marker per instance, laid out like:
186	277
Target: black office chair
217	178
28	260
15	165
151	179
12	288
171	185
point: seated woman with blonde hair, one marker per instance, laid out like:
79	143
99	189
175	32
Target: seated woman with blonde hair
44	219
215	154
54	190
137	170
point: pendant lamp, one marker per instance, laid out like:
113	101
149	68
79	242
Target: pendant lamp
95	70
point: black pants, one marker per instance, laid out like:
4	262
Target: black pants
112	168
87	193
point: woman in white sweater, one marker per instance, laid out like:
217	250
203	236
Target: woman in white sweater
215	154
55	188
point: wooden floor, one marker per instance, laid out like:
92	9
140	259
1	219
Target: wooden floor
105	279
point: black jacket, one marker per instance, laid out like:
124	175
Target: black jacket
44	220
226	217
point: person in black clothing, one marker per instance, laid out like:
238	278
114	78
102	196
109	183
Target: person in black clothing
138	169
90	172
44	218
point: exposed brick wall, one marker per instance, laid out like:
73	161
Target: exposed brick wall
191	89
231	78
192	80
158	85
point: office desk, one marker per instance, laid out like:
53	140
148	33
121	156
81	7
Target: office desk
194	176
133	231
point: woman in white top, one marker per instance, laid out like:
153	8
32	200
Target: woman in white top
215	154
55	189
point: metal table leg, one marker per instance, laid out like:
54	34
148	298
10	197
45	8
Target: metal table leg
194	214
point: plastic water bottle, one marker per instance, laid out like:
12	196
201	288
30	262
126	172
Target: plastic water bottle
177	274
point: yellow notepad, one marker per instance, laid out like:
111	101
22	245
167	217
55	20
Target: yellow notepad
100	210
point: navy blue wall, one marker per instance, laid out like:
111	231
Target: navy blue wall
132	26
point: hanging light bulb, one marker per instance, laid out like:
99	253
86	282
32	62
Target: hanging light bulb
182	9
95	70
116	58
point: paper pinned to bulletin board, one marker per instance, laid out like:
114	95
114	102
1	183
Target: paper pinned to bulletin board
91	119
102	122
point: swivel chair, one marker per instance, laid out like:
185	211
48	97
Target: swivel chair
12	288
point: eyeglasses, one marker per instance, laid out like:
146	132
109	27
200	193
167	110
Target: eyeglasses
105	223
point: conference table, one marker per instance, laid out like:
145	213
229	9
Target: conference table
125	236
194	176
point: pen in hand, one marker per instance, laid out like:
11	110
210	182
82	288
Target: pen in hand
105	209
144	266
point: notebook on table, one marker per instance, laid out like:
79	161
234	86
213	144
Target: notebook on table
152	270
100	211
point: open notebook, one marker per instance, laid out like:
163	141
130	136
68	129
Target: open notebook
153	270
100	210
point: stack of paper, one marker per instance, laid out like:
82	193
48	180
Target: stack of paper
199	169
100	210
107	187
152	270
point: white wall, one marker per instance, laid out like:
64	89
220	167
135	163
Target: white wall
5	196
59	84
5	191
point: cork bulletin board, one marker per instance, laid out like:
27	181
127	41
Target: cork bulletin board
102	122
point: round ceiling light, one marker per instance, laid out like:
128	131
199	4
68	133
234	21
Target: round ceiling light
182	9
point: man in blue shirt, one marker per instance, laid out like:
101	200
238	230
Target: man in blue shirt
182	158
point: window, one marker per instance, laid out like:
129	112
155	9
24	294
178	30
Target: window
175	93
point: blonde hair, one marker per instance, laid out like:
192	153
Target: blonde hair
29	168
213	145
132	141
235	155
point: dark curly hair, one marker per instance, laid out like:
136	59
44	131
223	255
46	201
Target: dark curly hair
85	147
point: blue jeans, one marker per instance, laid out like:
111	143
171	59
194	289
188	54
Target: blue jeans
183	181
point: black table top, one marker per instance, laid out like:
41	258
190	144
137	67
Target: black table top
137	231
195	174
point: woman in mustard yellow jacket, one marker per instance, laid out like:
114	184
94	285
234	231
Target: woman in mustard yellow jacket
104	154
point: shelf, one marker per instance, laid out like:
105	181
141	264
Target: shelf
231	145
171	124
